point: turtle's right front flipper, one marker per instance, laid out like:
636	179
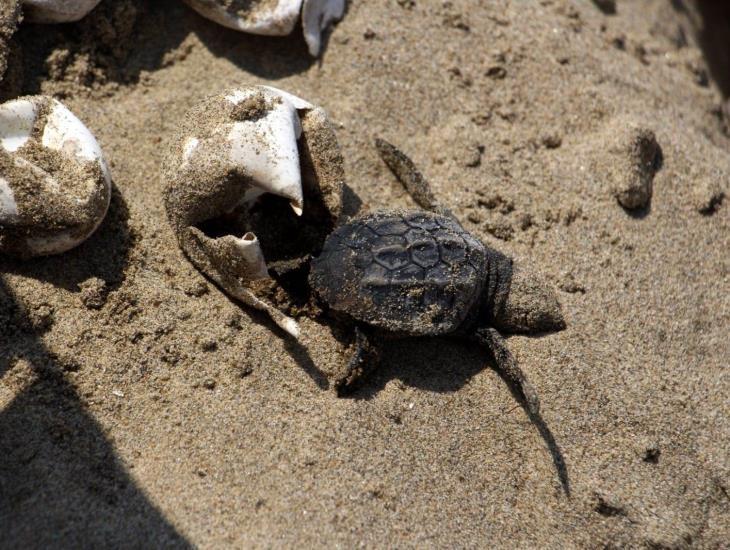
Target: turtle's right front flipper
414	182
364	360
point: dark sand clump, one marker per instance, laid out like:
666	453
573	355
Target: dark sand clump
140	406
9	14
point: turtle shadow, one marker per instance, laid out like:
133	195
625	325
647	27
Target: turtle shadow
351	202
61	482
104	255
713	39
296	350
639	213
438	365
445	366
301	356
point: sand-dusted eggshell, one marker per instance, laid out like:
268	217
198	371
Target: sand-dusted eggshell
273	17
57	11
265	17
55	186
231	151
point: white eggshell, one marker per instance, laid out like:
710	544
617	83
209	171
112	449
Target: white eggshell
267	147
317	15
277	20
66	134
57	11
8	206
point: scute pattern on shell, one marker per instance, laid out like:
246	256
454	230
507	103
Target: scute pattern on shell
417	272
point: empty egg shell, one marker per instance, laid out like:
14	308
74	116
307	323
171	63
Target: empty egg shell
55	186
273	18
57	11
233	150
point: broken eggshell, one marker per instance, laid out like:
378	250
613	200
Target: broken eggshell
273	18
231	152
55	186
57	11
317	15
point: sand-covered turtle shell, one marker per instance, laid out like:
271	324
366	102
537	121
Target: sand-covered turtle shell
415	273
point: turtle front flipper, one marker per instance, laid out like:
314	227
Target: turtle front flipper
490	338
410	177
364	360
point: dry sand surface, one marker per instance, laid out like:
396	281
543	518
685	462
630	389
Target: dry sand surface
139	406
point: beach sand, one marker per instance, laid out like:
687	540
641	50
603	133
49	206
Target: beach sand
140	406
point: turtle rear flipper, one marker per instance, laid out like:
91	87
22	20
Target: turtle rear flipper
491	339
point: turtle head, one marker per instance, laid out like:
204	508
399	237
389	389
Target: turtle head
530	305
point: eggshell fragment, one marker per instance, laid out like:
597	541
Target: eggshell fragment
233	149
57	11
255	17
55	186
267	17
317	15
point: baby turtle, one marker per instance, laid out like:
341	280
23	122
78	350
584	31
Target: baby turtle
406	274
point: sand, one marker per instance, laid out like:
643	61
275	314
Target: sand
139	406
9	15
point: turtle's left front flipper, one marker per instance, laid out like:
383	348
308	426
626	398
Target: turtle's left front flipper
410	177
493	340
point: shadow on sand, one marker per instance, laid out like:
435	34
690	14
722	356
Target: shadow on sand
61	483
121	40
428	364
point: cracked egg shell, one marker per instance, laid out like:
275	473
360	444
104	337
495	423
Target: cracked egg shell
260	163
273	18
57	11
55	186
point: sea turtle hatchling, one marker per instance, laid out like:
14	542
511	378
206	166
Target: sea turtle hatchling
403	274
254	194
